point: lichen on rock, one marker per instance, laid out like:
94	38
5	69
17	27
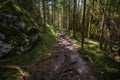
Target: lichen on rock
17	29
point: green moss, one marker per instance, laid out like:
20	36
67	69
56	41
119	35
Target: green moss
70	33
105	64
43	47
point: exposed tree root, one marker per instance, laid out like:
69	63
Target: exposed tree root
22	73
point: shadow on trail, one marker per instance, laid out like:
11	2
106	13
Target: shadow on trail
66	47
66	64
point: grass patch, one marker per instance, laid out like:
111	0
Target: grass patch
106	65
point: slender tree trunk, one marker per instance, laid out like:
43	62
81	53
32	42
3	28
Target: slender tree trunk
83	25
102	32
78	16
47	12
69	16
74	18
64	14
52	12
44	14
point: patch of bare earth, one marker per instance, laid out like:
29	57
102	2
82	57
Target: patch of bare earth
65	64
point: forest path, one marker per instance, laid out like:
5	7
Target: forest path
68	64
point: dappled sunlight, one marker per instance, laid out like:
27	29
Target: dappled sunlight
117	58
68	57
110	69
91	45
77	43
59	40
91	41
53	30
94	55
69	47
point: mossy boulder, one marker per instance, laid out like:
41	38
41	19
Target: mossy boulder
18	31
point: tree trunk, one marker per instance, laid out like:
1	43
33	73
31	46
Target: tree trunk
83	25
47	12
44	14
74	18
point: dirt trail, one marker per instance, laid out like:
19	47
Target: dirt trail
68	64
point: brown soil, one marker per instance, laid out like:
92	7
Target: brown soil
66	64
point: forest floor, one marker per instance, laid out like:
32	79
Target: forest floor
68	63
61	59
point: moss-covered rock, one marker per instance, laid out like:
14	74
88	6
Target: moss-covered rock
18	31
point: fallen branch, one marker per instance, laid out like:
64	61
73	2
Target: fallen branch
22	73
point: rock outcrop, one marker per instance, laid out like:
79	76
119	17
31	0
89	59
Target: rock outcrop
18	31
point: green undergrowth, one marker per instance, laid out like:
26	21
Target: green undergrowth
42	48
107	66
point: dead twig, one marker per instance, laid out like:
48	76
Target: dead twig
21	71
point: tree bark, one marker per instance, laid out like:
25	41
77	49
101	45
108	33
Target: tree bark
44	14
74	18
83	23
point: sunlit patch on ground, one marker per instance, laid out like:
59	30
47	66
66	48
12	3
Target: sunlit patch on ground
117	58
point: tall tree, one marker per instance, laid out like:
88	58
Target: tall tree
74	18
83	25
44	13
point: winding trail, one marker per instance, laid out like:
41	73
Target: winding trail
70	63
66	64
